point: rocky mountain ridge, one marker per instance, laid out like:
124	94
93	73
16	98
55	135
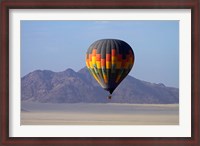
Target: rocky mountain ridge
74	87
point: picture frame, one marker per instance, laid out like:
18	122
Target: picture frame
89	4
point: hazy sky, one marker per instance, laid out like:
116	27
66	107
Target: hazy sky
58	45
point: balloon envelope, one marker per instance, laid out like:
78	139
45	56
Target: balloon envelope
109	61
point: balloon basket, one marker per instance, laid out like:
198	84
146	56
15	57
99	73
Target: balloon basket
110	97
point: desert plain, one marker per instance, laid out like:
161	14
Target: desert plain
33	113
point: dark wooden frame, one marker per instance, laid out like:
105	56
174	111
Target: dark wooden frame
101	4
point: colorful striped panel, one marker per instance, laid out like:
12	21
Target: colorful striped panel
109	61
103	62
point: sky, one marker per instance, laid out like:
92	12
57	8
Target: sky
58	45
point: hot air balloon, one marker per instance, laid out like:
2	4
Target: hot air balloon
109	61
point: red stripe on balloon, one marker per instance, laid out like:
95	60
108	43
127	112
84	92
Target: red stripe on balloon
108	58
94	52
103	62
90	57
113	52
119	57
98	57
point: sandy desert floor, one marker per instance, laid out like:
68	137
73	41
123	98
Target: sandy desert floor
99	114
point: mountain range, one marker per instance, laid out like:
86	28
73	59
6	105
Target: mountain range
74	87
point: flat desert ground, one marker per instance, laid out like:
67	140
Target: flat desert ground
99	114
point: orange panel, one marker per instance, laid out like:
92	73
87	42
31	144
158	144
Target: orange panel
98	57
103	62
113	52
108	57
94	52
90	57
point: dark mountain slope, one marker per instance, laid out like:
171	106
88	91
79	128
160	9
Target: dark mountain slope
72	87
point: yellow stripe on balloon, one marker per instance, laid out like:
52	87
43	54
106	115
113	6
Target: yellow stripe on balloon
98	63
93	59
113	59
96	78
126	65
105	78
130	61
118	66
91	65
108	65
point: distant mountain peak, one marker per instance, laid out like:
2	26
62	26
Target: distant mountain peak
71	87
69	70
83	70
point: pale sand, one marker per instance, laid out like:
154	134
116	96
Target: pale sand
100	114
